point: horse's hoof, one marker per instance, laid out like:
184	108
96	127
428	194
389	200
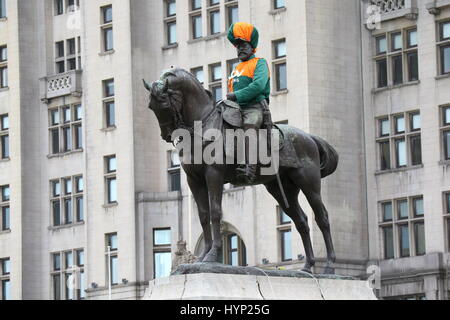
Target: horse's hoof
330	271
307	270
210	258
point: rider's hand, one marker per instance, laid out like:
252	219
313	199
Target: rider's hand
231	96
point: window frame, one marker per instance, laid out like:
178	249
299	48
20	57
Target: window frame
408	67
395	136
106	26
59	290
396	224
442	44
109	176
64	196
277	63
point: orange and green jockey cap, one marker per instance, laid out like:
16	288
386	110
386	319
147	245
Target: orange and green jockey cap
243	31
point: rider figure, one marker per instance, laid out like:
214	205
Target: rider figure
248	85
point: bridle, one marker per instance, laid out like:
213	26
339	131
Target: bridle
176	105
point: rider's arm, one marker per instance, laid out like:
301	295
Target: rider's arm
258	85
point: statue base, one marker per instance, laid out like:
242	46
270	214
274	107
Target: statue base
207	281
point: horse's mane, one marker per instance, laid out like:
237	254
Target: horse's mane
186	77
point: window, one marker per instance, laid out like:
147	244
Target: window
402	228
5	208
67	55
445	132
3	66
234	250
280	64
111	179
65	129
199	74
170	21
3	53
174	171
196	19
59	7
4	137
447	219
215	81
5	283
278	4
196	4
214	17
106	28
286	245
66	200
283	218
112	257
399	140
232	10
2	9
396	58
444	47
284	231
68	278
197	31
109	105
162	256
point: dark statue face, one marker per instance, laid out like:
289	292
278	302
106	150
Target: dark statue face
160	105
244	50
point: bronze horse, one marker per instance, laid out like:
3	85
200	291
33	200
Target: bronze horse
178	99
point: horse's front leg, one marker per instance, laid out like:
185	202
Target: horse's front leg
200	193
214	180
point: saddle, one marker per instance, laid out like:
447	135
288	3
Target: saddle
230	117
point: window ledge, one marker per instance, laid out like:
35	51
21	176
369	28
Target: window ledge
397	86
110	205
196	40
442	76
106	130
214	36
444	163
106	53
5	160
4	89
5	232
68	226
379	173
170	46
65	154
4	19
279	93
277	11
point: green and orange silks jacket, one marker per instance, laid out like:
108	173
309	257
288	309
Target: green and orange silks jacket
250	81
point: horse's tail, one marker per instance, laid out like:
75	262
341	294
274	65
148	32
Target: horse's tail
329	157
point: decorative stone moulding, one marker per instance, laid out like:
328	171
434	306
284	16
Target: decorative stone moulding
435	7
68	83
394	9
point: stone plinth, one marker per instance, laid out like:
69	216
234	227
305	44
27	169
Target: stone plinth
218	282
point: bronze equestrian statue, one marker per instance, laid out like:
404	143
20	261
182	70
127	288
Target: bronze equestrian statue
179	100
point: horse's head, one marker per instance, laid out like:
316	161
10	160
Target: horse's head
167	99
165	102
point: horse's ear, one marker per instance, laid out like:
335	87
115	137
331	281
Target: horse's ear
209	93
147	86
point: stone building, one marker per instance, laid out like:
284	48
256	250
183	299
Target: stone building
91	196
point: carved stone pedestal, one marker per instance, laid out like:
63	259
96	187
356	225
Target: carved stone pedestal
218	282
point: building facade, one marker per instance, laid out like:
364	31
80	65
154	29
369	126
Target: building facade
94	204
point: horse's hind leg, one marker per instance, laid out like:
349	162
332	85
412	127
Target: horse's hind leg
296	213
309	180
